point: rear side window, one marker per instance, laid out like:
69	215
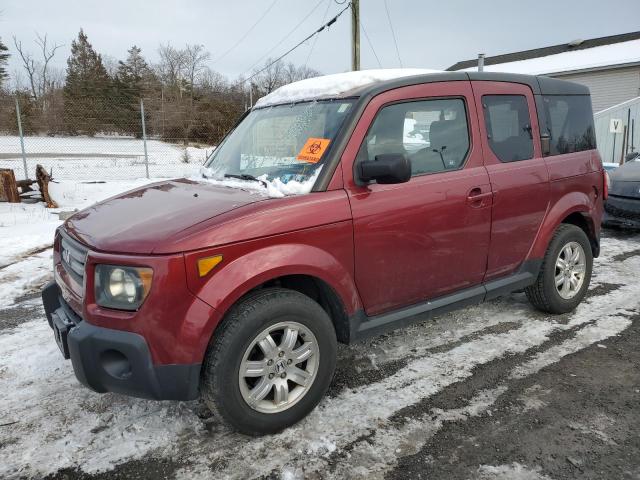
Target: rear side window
433	134
569	123
508	126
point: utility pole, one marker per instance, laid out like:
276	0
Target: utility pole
355	35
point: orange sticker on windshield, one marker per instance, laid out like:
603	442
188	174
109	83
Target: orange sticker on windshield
313	150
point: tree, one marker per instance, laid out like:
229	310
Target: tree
41	79
133	79
171	67
276	74
4	59
86	90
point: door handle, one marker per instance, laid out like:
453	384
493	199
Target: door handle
476	197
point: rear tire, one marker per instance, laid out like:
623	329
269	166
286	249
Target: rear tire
253	376
565	274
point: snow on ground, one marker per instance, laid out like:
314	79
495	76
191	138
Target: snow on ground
60	424
513	471
24	228
27	231
78	195
25	276
100	158
331	85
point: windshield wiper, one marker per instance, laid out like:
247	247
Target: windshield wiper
246	176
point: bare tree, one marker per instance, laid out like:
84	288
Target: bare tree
48	52
110	64
276	74
270	77
172	65
292	73
195	62
38	71
29	65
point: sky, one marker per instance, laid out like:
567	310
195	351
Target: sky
430	34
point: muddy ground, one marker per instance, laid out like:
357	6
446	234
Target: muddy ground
497	391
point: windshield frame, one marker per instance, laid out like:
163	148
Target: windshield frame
329	163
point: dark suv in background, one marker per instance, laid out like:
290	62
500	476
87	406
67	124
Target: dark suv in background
622	208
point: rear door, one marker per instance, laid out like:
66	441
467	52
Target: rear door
517	171
430	236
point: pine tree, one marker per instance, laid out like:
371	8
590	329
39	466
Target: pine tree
86	90
4	58
134	77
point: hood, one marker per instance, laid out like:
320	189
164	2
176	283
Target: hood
629	172
139	220
625	180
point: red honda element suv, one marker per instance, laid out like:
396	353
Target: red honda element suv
333	211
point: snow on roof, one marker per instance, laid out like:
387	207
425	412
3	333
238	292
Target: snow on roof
596	57
332	85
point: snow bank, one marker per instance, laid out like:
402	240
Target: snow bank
101	158
24	228
275	188
330	85
615	54
78	195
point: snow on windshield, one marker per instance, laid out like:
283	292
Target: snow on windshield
329	85
274	188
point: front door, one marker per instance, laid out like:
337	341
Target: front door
422	239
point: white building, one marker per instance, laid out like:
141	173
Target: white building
609	66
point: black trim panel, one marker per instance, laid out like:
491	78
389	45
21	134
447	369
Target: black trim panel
361	326
107	360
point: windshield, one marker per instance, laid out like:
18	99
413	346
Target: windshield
281	149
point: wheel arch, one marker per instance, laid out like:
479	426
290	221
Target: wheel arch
317	290
309	270
574	208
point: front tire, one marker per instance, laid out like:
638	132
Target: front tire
565	274
270	362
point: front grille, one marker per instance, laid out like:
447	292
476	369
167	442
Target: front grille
73	256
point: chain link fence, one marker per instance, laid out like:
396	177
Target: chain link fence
95	141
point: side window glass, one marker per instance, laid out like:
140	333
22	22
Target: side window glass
570	123
508	126
433	134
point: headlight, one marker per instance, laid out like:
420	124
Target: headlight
122	288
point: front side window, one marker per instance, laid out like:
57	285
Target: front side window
569	123
508	127
279	146
433	134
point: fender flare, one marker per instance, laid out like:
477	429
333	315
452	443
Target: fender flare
242	274
573	202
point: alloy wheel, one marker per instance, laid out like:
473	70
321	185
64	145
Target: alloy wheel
279	367
570	270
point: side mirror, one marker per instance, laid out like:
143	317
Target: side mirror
545	144
386	168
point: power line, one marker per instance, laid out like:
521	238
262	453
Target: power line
328	24
286	37
315	40
393	33
364	30
246	33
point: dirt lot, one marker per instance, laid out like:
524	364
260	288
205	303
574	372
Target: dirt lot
497	391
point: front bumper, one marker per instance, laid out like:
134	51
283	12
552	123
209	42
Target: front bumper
622	212
107	360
